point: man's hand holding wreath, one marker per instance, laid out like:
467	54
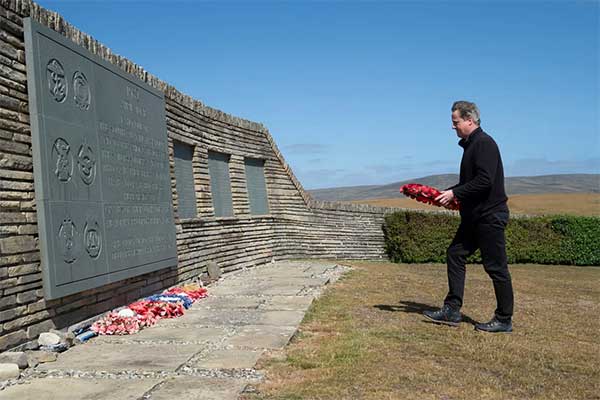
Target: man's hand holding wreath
445	197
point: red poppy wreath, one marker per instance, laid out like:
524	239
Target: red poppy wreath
426	194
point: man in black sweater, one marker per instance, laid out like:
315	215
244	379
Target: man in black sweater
484	215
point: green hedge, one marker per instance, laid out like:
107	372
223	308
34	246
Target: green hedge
417	237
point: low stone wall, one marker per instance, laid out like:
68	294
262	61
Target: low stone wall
296	227
333	230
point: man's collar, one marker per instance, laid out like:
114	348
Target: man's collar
469	139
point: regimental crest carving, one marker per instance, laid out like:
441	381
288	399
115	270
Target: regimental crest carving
68	239
86	162
92	239
81	90
57	83
63	160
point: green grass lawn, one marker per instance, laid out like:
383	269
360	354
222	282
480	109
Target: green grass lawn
365	338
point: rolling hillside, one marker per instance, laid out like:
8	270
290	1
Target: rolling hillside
568	183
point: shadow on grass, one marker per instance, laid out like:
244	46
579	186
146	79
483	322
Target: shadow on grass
410	307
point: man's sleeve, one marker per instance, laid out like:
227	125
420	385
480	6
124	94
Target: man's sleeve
486	163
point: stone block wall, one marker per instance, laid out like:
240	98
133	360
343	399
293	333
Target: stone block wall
332	230
296	227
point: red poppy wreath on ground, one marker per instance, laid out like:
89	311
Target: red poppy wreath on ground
143	313
426	194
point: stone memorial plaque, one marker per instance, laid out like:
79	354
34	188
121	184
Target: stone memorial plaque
101	167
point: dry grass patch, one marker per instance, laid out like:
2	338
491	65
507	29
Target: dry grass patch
366	339
584	204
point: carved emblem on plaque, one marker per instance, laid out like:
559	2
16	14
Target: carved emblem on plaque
61	154
68	239
92	239
87	164
57	84
81	88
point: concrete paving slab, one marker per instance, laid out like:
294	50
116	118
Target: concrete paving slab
269	290
124	357
212	318
299	282
285	281
221	302
237	290
279	272
284	272
282	291
282	265
305	266
319	269
188	334
232	358
287	303
285	285
245	281
262	337
79	389
281	318
191	388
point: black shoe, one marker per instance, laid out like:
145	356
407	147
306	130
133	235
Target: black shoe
494	326
446	315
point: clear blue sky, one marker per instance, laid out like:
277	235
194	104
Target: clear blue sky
359	92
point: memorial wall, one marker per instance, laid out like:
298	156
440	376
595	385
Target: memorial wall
101	167
114	185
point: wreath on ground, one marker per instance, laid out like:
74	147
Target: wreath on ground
171	303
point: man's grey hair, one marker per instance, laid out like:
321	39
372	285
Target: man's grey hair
467	110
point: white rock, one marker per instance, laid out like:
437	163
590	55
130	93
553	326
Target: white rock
48	339
14	357
65	337
8	371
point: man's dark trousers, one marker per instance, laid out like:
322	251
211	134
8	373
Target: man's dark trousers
486	234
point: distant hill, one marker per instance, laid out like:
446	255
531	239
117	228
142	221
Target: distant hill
568	183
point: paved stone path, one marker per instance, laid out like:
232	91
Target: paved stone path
208	353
